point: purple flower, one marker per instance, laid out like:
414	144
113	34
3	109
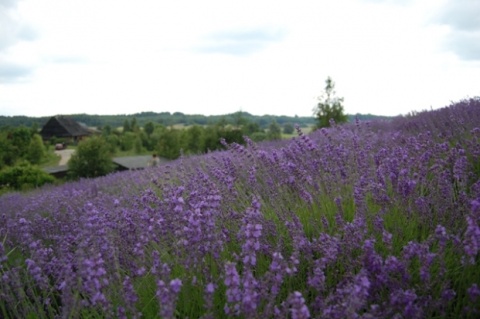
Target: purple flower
473	292
405	303
176	285
167	297
250	297
37	273
298	309
317	278
233	292
471	242
3	257
441	235
130	295
210	288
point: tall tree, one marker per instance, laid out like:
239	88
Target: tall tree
149	128
133	125
329	106
91	159
274	131
126	126
36	150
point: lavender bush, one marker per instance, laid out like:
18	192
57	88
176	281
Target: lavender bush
366	220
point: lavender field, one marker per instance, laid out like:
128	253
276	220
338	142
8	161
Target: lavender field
364	220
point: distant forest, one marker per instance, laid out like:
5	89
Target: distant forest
167	119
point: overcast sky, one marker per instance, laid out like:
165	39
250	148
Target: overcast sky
386	57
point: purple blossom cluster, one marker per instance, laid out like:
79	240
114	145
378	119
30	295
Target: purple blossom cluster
365	220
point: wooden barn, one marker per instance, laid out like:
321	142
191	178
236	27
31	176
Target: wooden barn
65	128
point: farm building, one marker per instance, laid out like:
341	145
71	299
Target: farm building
134	162
65	128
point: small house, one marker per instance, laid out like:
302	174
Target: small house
65	128
135	162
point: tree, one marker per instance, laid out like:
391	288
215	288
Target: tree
133	125
329	106
192	139
149	128
23	176
127	141
288	128
20	139
258	136
274	131
107	130
250	128
168	144
91	159
126	126
36	151
8	152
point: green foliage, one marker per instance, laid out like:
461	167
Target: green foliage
91	159
149	128
23	176
20	144
211	138
133	125
168	145
107	130
165	118
127	141
126	126
239	119
8	154
258	136
251	127
36	150
329	107
138	145
232	135
113	142
20	138
288	128
274	131
192	139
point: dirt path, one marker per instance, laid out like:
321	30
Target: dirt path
64	156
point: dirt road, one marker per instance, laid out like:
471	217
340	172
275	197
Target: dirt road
64	156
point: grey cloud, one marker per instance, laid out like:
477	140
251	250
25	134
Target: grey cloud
12	28
462	15
465	45
463	18
12	73
240	42
64	59
394	2
8	3
27	33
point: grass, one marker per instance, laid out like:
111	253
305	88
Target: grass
51	159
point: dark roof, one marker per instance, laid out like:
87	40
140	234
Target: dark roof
56	169
132	162
63	126
135	162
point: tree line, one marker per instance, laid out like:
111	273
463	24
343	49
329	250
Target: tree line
170	141
168	119
23	152
163	118
21	148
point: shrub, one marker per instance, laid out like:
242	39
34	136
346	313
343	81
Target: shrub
24	176
92	159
